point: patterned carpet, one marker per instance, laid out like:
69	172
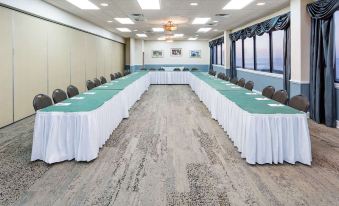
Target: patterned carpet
168	152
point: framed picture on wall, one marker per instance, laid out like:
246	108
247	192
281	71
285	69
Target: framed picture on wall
176	52
157	54
195	53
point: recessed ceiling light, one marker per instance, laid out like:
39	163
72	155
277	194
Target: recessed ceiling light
178	35
124	20
192	38
158	29
124	29
200	20
215	21
104	4
169	41
162	38
236	4
83	4
261	4
197	35
149	4
109	21
204	30
135	30
142	35
194	4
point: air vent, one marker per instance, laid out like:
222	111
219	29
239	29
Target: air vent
222	15
211	24
137	17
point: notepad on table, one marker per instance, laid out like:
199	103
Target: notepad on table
62	104
91	93
276	105
262	99
78	98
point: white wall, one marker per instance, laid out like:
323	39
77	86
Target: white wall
184	59
45	10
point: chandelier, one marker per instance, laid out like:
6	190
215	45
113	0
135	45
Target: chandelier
170	26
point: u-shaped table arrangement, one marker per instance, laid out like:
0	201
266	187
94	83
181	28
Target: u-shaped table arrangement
264	131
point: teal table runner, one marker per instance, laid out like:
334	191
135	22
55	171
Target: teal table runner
245	99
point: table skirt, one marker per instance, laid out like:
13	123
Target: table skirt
164	77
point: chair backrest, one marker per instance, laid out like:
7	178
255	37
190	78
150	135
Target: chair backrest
41	101
281	96
112	76
221	75
59	95
126	72
119	74
143	69
268	92
152	69
241	82
103	80
96	82
72	91
249	85
161	69
176	69
299	102
227	78
116	76
234	80
186	69
90	85
194	69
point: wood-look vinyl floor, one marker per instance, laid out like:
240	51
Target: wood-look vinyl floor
168	152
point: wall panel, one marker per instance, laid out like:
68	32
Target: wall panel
91	55
6	68
30	62
78	59
58	57
100	46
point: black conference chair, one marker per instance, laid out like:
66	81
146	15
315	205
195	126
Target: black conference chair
116	76
194	69
59	95
72	91
281	96
176	70
234	80
241	82
186	69
249	85
152	69
268	92
90	85
143	69
227	78
299	102
103	80
41	101
112	76
96	82
126	72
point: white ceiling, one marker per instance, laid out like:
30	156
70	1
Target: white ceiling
179	11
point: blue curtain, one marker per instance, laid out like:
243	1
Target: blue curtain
213	44
233	67
322	65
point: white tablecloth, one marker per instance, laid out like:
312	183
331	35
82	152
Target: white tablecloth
60	136
261	138
163	77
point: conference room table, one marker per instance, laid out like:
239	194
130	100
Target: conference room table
264	131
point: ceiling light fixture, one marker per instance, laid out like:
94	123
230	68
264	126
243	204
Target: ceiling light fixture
135	30
236	4
142	35
178	35
215	21
261	4
169	40
192	38
149	4
162	38
124	20
83	4
200	20
158	29
194	4
104	4
170	26
124	29
204	30
109	21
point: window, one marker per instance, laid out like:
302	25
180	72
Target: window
219	54
263	52
278	51
336	35
238	54
223	54
249	53
214	55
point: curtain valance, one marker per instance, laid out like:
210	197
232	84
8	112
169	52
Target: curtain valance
323	9
277	23
216	42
